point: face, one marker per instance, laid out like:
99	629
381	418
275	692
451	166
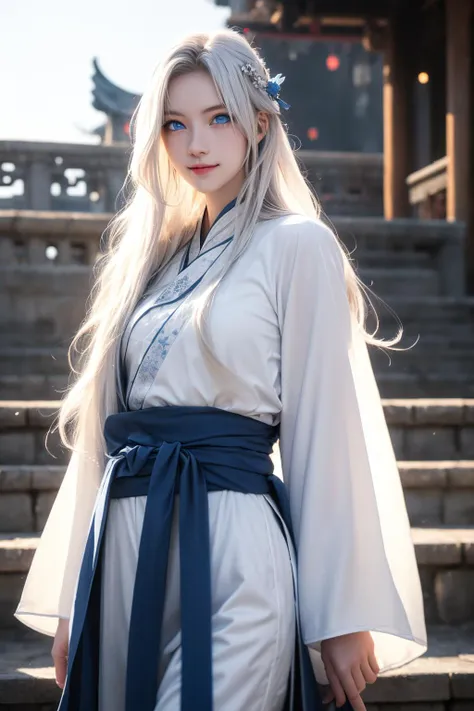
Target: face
205	148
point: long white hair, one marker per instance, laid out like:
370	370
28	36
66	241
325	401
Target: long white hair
160	217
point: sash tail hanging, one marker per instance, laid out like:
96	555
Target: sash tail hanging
160	452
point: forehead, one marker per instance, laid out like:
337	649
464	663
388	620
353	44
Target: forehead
191	92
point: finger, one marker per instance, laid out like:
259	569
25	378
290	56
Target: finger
336	686
357	704
373	663
350	689
369	676
358	679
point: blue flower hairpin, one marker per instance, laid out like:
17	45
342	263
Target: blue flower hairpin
273	90
272	86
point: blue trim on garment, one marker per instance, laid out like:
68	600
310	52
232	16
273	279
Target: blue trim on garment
185	264
178	300
162	452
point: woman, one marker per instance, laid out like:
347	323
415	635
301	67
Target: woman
225	314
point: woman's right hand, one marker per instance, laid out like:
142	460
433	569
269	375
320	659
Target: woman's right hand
59	652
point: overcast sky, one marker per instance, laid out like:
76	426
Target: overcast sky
46	52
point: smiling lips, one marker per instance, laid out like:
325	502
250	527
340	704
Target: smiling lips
202	169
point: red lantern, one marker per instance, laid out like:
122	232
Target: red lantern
333	62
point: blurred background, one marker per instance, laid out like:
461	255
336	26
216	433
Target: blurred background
382	121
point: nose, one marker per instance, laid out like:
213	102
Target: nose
197	146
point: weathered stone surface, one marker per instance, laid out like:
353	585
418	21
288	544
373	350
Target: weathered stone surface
49	449
461	474
398	412
11	586
427	577
16	512
438	547
425	507
44	504
12	416
454	591
16	553
445	412
397	435
431	443
458	507
466	439
17	447
409	688
47	478
462	685
41	415
469	553
423	475
31	478
15	478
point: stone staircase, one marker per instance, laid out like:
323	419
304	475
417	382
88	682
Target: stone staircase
415	268
434	443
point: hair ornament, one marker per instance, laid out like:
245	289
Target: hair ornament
271	86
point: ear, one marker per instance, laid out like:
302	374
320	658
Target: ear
262	125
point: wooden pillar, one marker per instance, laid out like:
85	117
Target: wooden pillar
397	89
458	50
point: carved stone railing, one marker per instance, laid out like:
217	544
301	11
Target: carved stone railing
427	190
49	239
346	183
61	176
46	264
88	178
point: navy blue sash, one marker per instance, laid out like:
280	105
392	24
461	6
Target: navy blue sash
159	452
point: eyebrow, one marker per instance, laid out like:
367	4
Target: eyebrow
217	107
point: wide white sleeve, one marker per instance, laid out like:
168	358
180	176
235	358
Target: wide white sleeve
49	590
356	561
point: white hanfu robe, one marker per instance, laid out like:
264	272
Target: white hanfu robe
281	324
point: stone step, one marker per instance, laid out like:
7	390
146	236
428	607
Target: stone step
436	494
421	429
24	361
441	680
394	384
445	558
421	361
32	386
390	259
27	494
435	353
409	281
429	312
439	493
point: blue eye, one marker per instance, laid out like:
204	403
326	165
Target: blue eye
222	118
174	125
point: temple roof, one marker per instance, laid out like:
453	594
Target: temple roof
110	98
